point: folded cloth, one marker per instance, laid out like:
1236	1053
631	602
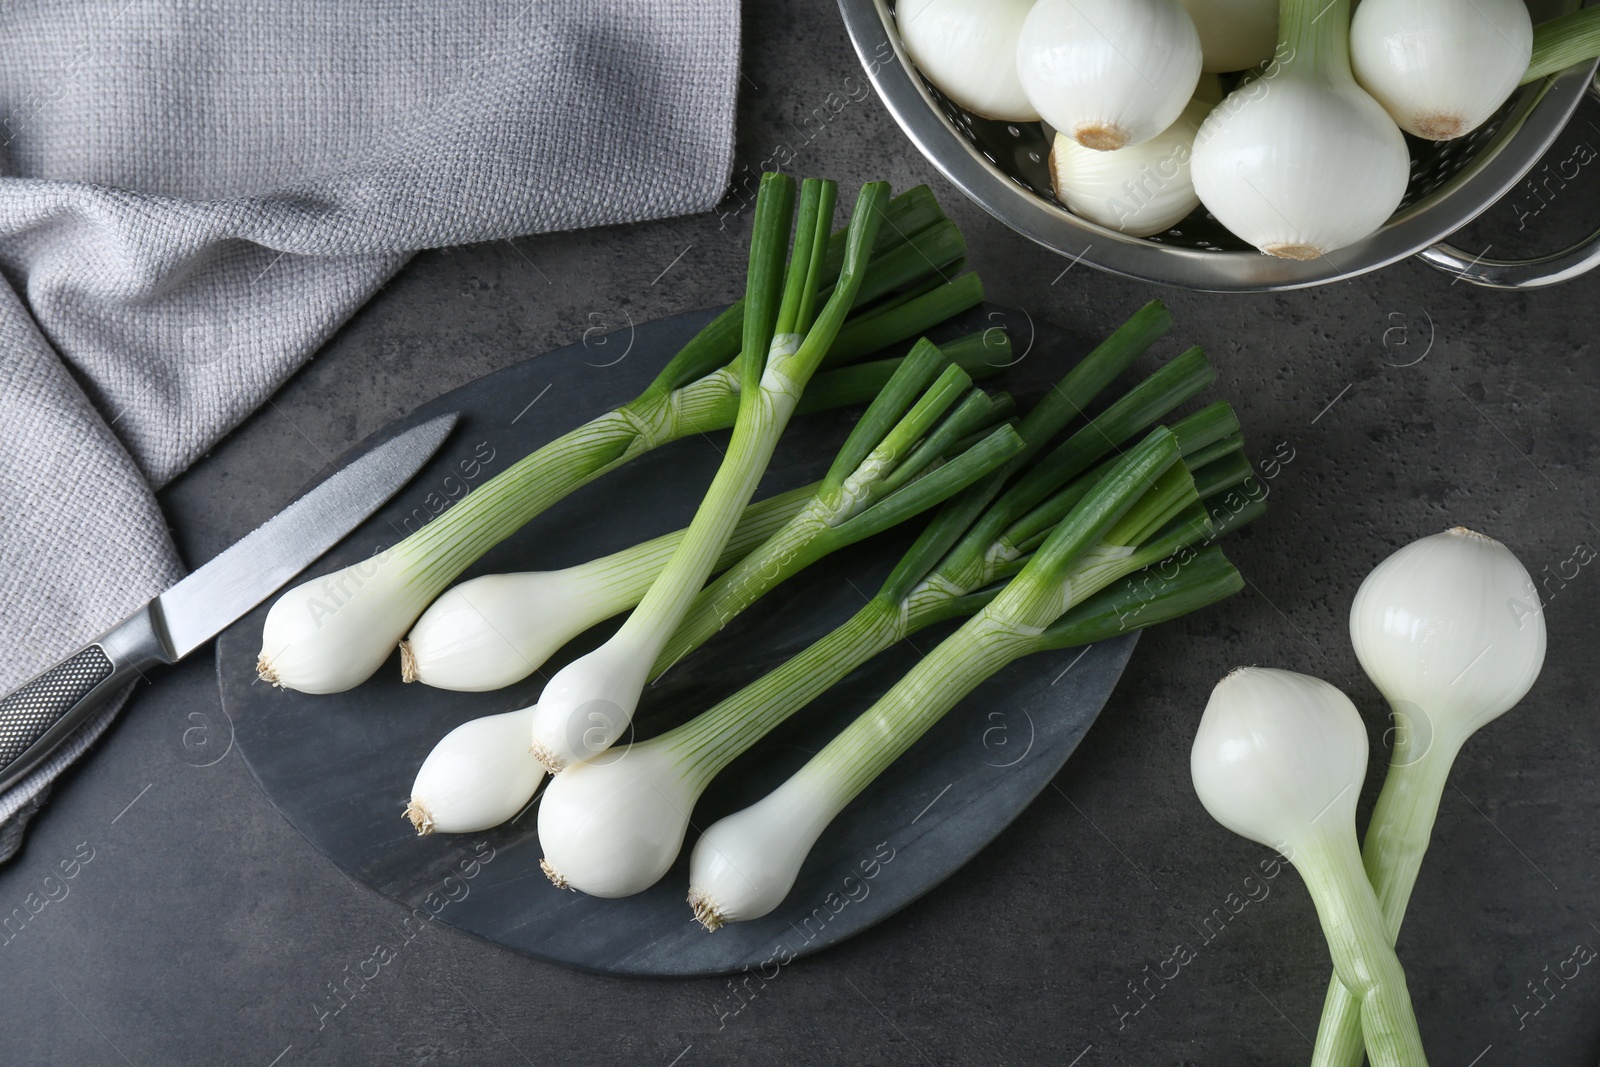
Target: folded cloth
194	197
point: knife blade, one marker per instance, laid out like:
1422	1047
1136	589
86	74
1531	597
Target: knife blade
38	717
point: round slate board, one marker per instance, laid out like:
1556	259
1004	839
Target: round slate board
340	767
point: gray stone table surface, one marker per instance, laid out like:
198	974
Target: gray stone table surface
200	928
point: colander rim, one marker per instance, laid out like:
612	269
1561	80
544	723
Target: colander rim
1538	115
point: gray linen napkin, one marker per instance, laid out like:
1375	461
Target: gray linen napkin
193	197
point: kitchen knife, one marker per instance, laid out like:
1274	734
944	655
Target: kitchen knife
37	718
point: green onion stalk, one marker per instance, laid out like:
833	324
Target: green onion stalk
590	701
957	549
331	633
907	454
1563	42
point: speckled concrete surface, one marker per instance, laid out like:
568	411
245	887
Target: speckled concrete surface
204	930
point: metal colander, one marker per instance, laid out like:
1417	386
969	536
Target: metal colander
1004	167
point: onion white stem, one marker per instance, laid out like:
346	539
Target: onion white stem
1301	161
1450	630
496	629
1440	67
1108	73
1279	758
968	48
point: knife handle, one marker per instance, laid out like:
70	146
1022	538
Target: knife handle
36	719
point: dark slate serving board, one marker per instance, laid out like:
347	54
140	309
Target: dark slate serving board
340	767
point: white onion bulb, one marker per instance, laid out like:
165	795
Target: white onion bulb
1300	166
590	702
1234	34
1138	190
613	827
1440	67
477	777
332	633
497	629
1109	73
745	863
1450	630
1279	757
968	48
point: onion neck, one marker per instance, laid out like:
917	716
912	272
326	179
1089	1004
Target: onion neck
1314	40
1397	838
1402	823
1361	948
857	755
714	739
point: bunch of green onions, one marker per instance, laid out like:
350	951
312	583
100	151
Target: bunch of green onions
903	458
480	774
926	436
603	824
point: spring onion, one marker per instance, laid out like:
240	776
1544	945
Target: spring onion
1279	759
1109	73
331	633
745	863
1301	161
968	48
590	701
513	772
1449	627
1440	67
